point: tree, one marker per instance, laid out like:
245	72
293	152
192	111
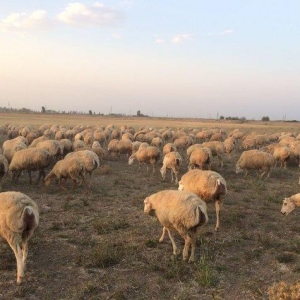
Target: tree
90	112
138	113
43	109
265	119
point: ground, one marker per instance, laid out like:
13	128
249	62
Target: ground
100	245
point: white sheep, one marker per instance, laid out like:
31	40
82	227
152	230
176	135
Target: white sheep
30	159
3	168
208	185
10	147
148	155
67	168
290	203
19	216
255	160
181	211
172	161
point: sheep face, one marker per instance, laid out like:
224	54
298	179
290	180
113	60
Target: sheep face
180	186
288	206
130	160
47	181
147	206
163	172
238	169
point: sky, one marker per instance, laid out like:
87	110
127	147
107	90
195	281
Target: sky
180	59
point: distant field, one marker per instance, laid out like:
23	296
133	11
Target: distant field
136	122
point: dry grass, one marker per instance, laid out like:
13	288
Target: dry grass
100	245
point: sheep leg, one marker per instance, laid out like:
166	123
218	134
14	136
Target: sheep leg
41	174
175	249
163	234
193	248
217	206
30	178
186	248
60	184
20	266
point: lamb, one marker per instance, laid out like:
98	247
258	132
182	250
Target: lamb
290	203
19	217
30	159
199	157
3	168
172	161
149	155
255	160
181	211
69	167
208	185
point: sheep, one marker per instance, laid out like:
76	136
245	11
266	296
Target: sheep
149	155
280	153
181	211
290	203
217	148
88	158
200	157
3	168
135	146
229	145
173	161
30	159
120	147
10	147
69	167
169	147
19	217
208	185
255	160
52	146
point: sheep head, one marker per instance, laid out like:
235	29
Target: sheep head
288	206
238	169
147	206
180	186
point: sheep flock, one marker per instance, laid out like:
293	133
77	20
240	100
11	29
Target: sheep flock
68	192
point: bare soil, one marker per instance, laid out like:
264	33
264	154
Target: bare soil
100	245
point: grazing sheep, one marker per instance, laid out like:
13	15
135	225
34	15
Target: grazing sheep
181	211
88	158
135	146
172	161
229	145
19	216
30	159
3	168
290	203
255	160
52	146
149	155
208	185
78	144
67	168
280	153
199	157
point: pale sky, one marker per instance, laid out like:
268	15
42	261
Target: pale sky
198	58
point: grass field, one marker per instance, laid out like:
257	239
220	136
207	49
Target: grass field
100	245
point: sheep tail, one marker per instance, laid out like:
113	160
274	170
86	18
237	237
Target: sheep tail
29	221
